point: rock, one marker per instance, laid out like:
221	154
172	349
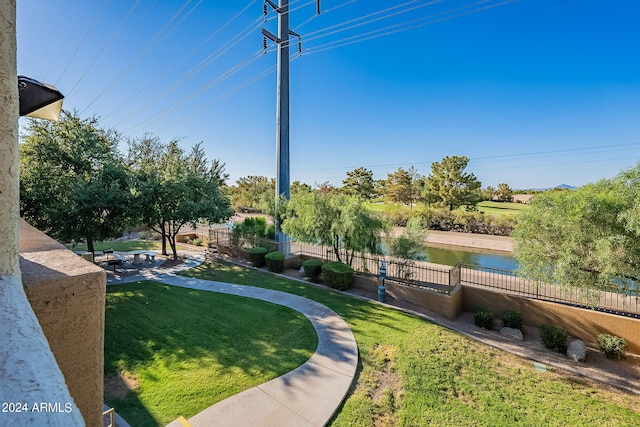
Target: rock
577	350
512	333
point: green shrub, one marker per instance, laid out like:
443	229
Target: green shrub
144	235
197	241
256	256
554	337
512	319
612	346
337	275
275	261
483	317
312	268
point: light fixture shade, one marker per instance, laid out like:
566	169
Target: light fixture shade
39	100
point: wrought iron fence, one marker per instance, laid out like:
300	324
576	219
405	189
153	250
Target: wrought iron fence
622	299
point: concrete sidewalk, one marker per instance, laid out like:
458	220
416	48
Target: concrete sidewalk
307	396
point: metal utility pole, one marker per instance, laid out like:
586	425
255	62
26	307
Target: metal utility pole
282	105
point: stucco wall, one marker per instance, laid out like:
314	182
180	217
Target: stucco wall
581	323
445	305
9	181
67	294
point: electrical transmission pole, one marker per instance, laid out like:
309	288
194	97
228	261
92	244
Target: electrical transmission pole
282	105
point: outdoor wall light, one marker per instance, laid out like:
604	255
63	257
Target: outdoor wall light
39	100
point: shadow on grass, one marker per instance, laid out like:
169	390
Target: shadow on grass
166	333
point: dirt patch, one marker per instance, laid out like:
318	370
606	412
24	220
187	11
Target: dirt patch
118	386
388	392
170	262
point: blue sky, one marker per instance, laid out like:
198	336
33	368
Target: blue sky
535	92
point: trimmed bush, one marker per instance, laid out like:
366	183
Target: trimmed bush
312	268
554	337
612	346
337	275
256	256
275	261
483	317
512	319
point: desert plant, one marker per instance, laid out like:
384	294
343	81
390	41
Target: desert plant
275	261
197	241
483	317
554	337
312	268
256	256
337	275
612	346
512	319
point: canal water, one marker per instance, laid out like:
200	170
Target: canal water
451	255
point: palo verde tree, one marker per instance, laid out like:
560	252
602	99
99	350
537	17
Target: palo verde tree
174	188
583	238
333	220
448	185
73	184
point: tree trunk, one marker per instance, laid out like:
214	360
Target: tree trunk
90	244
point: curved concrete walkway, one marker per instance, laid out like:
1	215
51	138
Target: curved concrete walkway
307	396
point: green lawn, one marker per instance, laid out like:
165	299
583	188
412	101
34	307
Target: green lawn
502	208
182	350
416	373
125	245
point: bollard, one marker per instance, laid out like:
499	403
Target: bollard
381	294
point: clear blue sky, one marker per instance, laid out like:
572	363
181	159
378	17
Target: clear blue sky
535	92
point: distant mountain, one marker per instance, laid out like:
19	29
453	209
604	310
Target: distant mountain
565	187
557	187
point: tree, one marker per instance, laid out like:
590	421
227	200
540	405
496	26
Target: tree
401	186
298	187
448	185
73	184
254	192
333	220
583	238
359	182
174	189
504	193
326	188
488	193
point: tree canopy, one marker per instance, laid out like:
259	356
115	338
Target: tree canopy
448	185
334	220
359	182
174	188
73	184
583	238
401	186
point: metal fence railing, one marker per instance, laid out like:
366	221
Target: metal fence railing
622	299
617	299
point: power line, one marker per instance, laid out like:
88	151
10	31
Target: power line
104	47
138	56
195	70
104	5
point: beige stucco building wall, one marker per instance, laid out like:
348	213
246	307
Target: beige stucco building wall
31	382
67	295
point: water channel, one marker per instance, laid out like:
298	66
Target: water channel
451	255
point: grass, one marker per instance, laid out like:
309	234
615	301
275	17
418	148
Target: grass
182	350
416	373
125	245
502	208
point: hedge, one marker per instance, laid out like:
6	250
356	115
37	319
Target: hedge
337	275
275	261
312	268
256	256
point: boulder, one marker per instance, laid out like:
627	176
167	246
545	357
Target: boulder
512	333
577	350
